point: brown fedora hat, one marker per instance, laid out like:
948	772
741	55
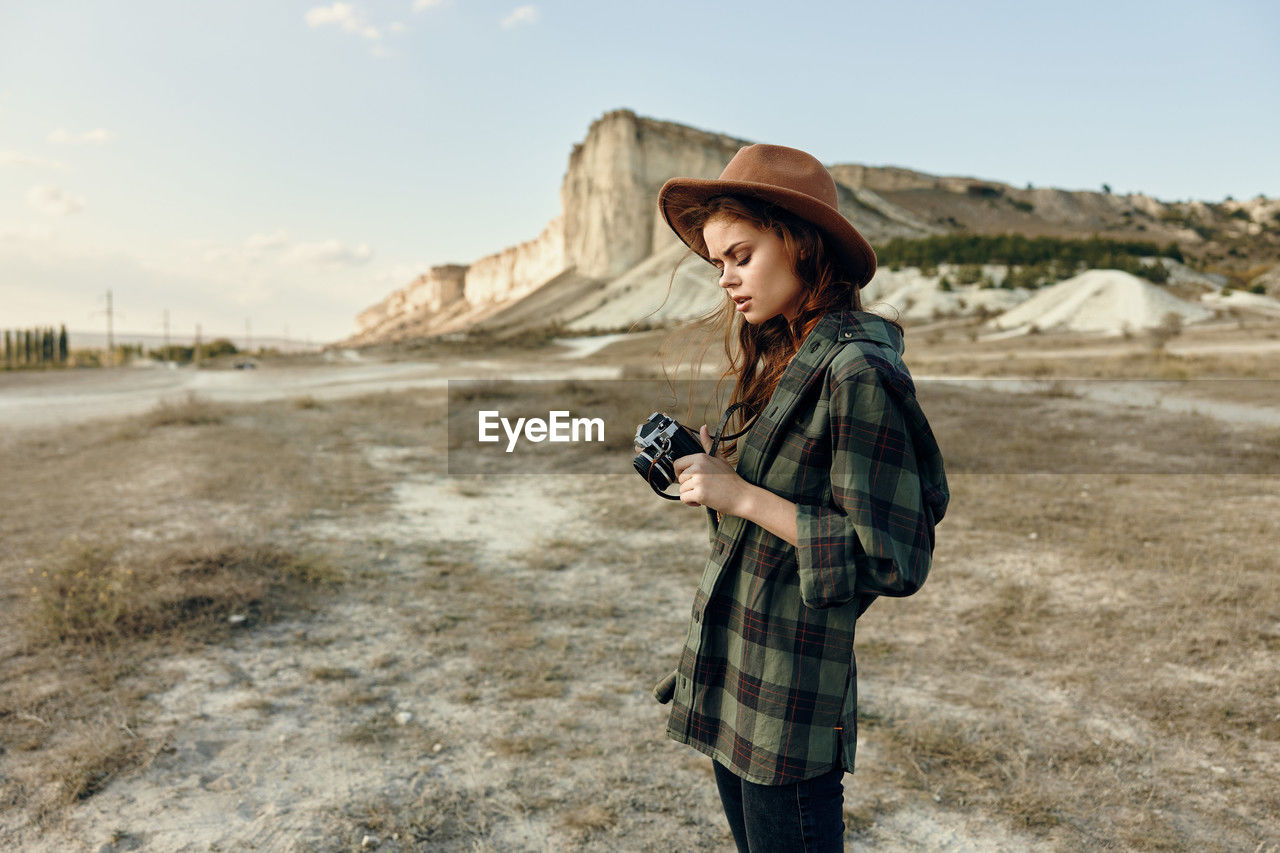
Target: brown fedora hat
787	177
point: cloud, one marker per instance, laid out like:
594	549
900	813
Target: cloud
17	158
328	253
262	250
423	5
53	201
262	243
27	234
520	15
344	15
97	136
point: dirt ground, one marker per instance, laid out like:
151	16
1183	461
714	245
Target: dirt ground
1093	664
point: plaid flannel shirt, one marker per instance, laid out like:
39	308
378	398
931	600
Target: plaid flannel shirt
767	682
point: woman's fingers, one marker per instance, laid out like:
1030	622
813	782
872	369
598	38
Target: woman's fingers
705	435
682	464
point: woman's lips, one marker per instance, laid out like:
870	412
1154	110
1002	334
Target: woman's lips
742	304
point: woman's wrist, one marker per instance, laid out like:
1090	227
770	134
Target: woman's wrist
772	512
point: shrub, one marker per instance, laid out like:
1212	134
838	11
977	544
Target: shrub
92	594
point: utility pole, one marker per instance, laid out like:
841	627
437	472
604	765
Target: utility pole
111	339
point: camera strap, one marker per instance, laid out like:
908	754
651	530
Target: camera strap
715	445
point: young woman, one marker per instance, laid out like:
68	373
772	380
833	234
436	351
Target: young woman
833	499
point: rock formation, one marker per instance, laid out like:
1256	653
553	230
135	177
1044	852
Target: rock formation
426	294
607	259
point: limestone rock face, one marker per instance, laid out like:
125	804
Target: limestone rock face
610	190
607	259
517	270
609	223
426	294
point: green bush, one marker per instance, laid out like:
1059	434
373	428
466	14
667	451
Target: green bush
1014	249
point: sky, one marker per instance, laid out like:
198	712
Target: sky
288	164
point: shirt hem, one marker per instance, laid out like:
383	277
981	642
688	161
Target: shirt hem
719	756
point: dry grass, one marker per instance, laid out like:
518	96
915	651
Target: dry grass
77	676
126	543
189	410
93	594
1137	365
591	818
1109	683
1088	628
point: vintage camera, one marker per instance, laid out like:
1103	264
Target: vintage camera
662	440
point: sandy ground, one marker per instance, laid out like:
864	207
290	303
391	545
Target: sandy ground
264	754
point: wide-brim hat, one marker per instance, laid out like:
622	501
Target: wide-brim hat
793	180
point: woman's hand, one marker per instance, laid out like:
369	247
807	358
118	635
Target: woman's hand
710	480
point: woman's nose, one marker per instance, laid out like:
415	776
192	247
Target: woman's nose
728	276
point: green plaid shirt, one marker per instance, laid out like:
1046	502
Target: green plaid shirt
766	683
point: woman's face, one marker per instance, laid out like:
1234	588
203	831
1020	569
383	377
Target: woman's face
754	269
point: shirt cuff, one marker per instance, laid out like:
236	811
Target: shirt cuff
826	547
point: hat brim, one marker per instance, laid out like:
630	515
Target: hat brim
679	194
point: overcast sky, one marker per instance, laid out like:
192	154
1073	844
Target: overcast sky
293	162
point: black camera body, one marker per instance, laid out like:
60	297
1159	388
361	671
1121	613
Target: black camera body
662	440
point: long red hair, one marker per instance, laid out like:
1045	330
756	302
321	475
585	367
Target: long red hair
757	355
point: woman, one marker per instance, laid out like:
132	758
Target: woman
837	486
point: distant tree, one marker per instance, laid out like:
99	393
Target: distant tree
969	274
217	347
8	347
62	344
1155	272
1170	327
1106	188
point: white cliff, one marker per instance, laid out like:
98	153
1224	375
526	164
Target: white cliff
426	294
609	244
517	270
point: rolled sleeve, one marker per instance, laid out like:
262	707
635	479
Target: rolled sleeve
875	537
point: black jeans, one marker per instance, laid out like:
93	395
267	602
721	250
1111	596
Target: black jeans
805	816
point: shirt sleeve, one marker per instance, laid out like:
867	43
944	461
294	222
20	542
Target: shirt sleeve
876	536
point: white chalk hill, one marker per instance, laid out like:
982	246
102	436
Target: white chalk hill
1105	301
646	293
1243	299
